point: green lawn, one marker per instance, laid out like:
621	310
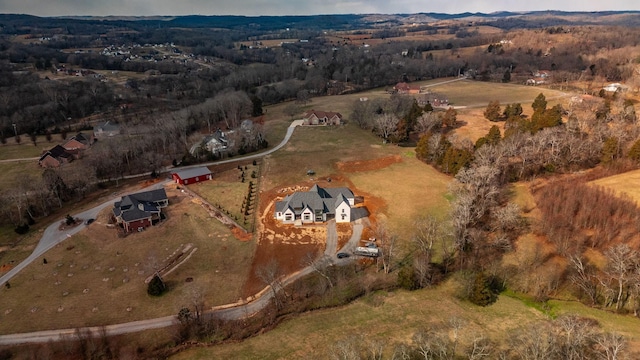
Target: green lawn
11	172
24	150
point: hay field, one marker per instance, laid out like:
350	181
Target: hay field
410	189
625	184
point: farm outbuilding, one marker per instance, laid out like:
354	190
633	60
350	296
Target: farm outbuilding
191	176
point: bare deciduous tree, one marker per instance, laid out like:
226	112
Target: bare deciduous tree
386	125
271	275
621	265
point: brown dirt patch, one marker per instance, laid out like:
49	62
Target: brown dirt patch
344	234
5	267
288	244
241	234
369	165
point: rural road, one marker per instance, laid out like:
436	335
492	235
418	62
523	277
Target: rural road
52	236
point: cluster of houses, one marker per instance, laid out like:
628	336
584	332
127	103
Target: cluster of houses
70	150
74	147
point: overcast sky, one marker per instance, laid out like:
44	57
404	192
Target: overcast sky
296	7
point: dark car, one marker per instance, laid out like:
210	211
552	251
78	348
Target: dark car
342	255
89	221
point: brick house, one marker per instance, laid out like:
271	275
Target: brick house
315	117
55	157
404	88
137	212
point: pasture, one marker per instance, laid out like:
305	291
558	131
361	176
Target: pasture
96	278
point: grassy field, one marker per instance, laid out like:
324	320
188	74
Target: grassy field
375	317
97	278
227	192
23	170
320	149
25	150
421	192
626	183
476	93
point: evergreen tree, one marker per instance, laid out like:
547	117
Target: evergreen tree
422	148
540	103
610	150
492	112
156	286
506	77
512	110
450	118
634	152
494	136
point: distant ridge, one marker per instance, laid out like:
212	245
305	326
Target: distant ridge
501	19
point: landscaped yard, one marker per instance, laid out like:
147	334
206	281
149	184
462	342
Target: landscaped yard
96	278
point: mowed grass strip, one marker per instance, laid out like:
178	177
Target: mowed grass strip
96	278
626	183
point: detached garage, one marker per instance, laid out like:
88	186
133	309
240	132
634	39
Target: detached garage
191	176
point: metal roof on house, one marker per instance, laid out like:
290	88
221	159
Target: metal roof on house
191	173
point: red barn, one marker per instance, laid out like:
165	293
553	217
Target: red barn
191	176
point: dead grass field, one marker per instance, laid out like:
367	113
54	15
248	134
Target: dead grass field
626	183
476	93
97	278
409	188
375	316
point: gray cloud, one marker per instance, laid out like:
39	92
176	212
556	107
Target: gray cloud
289	7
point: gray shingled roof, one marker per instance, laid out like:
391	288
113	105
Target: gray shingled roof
128	209
191	173
317	198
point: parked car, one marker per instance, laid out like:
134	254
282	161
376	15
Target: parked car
342	255
89	221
